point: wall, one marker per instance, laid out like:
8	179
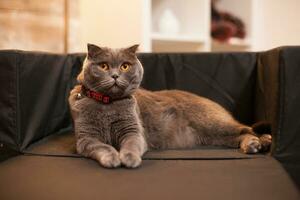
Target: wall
32	25
44	26
277	23
114	23
39	25
119	23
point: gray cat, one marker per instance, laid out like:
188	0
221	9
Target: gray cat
116	122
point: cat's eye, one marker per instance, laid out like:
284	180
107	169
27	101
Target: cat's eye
103	66
125	67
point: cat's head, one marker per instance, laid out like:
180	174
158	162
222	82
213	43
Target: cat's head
114	72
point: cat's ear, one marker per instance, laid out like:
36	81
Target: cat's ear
132	49
93	50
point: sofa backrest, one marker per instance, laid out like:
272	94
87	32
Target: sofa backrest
37	86
227	78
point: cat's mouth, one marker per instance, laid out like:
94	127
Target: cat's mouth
120	84
117	86
114	86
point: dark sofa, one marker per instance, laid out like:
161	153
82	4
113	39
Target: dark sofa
37	148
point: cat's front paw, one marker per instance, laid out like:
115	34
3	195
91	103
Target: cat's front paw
130	159
110	160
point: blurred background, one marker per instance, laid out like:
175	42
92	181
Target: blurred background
64	26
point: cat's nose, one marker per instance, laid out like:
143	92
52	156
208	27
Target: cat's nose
115	76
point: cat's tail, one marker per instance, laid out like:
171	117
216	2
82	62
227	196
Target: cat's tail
262	127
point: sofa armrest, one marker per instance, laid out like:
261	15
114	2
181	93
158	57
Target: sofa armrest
267	90
9	140
35	88
279	94
288	142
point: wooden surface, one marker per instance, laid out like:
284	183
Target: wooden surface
32	25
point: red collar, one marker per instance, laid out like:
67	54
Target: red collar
95	95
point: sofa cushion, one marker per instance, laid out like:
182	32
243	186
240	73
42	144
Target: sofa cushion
39	177
50	169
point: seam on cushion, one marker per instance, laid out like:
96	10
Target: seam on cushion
29	153
204	158
12	85
17	103
282	100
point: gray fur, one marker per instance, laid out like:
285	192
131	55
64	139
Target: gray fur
138	120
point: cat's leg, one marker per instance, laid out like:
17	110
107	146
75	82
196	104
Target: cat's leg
236	135
105	154
132	147
250	143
